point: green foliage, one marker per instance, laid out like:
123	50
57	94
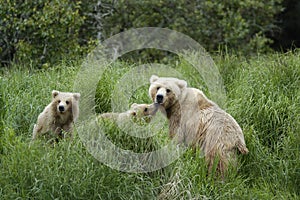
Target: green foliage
41	31
240	25
44	32
264	93
263	96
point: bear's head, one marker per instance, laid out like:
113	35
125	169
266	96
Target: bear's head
65	102
165	91
142	110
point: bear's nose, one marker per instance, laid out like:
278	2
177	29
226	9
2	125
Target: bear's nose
61	108
159	98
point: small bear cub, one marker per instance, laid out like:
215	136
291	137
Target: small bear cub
59	115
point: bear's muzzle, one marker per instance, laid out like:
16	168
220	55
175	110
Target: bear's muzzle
159	98
61	108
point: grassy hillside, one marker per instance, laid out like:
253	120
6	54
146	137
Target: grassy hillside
263	95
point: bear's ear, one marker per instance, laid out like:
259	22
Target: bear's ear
133	105
153	78
76	96
54	93
181	83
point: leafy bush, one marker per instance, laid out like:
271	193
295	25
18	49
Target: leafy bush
42	31
240	25
45	31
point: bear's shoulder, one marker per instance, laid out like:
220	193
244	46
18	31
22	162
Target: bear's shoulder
197	96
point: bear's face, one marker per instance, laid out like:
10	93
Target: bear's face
64	101
142	110
165	91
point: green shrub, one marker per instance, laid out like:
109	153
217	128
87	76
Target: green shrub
39	31
44	31
240	25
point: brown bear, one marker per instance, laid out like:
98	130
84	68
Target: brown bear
138	111
59	115
196	121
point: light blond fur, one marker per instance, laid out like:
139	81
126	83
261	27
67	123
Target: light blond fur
54	120
196	121
135	111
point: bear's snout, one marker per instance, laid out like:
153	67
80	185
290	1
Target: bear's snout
159	98
61	108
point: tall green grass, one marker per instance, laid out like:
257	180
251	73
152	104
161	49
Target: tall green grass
262	94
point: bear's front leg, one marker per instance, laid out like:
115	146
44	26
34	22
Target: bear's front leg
68	129
37	129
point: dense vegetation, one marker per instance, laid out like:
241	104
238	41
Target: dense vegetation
262	94
43	43
44	31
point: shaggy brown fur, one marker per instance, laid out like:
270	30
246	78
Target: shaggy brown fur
59	115
196	121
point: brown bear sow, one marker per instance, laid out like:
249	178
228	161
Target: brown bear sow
198	122
59	115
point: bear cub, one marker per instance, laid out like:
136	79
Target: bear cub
136	111
59	115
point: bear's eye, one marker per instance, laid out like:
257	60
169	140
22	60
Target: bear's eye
67	102
168	90
134	113
157	88
146	109
58	101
